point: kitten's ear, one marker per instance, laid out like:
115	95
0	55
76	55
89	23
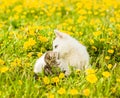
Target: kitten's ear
58	33
47	56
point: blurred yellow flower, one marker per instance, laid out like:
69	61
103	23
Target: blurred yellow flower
109	66
93	47
86	92
110	33
91	41
107	57
106	74
19	36
31	32
3	69
16	62
50	95
91	78
102	40
1	26
39	54
28	44
80	33
80	19
90	71
112	19
97	33
27	64
43	39
30	54
55	79
2	62
61	91
110	51
61	75
118	79
16	17
74	91
113	89
46	80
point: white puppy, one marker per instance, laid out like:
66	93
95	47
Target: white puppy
71	52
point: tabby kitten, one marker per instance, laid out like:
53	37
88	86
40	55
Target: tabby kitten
52	63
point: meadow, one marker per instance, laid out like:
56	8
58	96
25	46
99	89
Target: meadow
26	32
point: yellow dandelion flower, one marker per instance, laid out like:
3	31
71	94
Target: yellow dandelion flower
30	54
91	78
110	51
93	47
80	33
73	91
109	66
0	93
1	25
91	41
90	71
106	74
61	91
31	32
39	54
19	36
32	41
61	75
112	19
28	44
27	64
3	69
86	92
43	39
2	62
113	89
46	80
118	79
111	33
102	40
16	62
97	33
55	79
50	95
107	57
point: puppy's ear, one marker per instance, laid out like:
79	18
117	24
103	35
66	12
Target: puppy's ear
58	33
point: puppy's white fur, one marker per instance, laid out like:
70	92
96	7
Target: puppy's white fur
71	52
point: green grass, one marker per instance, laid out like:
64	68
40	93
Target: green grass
26	31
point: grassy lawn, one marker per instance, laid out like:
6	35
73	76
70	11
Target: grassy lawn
26	32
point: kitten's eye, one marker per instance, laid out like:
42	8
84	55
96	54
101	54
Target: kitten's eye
56	46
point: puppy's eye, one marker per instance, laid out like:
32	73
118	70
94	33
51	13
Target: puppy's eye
56	46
